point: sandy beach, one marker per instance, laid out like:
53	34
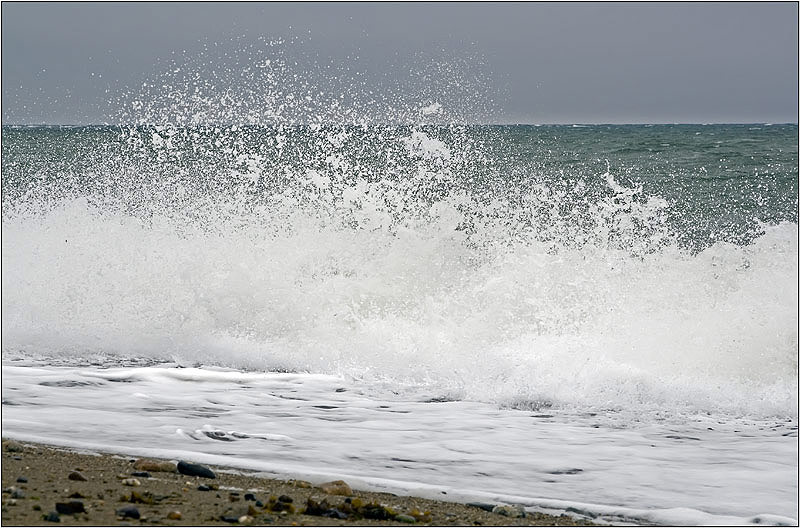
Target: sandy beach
43	485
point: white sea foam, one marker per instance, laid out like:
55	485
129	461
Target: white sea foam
583	326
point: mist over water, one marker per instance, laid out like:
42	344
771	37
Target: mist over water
266	215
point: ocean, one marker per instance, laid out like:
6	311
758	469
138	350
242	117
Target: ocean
598	319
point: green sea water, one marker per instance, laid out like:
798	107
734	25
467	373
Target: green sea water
720	182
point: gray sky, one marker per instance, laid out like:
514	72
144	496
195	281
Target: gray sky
550	63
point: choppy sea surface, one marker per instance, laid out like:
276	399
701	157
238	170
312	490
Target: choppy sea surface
594	319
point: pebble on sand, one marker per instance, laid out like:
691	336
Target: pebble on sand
195	470
155	466
12	446
77	475
131	482
129	511
509	510
482	505
336	487
70	508
175	515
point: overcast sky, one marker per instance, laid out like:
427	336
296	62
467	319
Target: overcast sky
549	63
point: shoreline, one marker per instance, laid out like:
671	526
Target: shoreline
35	477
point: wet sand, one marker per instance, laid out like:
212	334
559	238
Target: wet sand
35	478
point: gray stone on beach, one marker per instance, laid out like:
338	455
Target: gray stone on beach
335	513
195	470
77	475
509	510
155	466
482	505
70	508
13	447
336	487
129	511
52	517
